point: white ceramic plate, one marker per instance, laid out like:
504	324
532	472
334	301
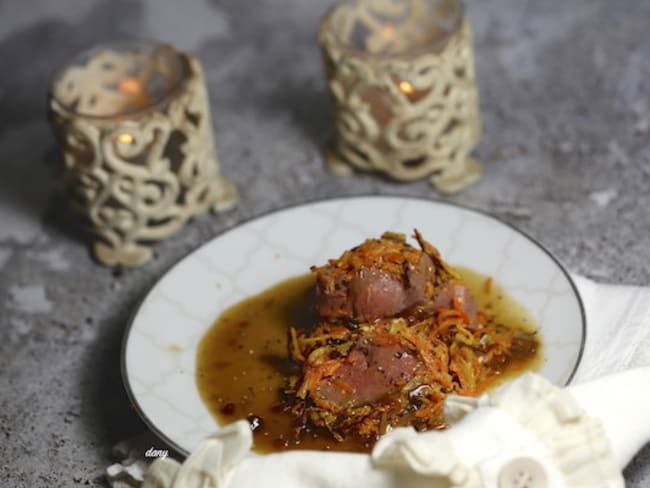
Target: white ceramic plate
159	352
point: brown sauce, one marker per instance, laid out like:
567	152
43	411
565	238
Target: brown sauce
242	362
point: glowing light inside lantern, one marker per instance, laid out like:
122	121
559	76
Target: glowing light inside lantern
406	88
125	138
130	85
389	31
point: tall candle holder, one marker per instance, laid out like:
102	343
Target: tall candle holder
401	75
133	120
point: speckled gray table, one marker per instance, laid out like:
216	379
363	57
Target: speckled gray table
565	96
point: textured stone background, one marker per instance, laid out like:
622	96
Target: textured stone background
565	95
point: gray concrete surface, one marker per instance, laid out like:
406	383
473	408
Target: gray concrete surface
565	96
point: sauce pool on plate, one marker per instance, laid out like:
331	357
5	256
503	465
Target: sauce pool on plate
243	364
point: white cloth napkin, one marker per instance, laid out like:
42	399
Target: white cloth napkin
618	328
528	433
618	338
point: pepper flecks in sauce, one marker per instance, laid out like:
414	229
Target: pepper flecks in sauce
243	365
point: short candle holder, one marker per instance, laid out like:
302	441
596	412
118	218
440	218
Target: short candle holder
133	120
401	75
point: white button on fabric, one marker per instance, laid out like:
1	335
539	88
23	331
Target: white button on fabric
522	473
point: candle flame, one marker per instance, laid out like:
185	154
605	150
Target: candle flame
406	87
389	31
125	138
130	85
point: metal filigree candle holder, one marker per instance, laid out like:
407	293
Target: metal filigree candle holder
134	123
402	79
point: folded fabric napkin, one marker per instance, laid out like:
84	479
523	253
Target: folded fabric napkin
618	338
618	328
528	433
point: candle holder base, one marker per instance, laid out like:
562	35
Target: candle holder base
226	196
129	255
335	163
457	177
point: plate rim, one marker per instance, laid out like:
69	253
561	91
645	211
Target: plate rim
304	203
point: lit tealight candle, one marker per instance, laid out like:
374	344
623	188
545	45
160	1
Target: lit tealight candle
125	138
406	87
136	92
130	85
414	95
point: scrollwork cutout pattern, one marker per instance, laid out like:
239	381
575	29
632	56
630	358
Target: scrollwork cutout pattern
138	180
404	95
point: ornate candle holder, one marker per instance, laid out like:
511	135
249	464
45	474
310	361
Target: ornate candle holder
401	75
134	124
